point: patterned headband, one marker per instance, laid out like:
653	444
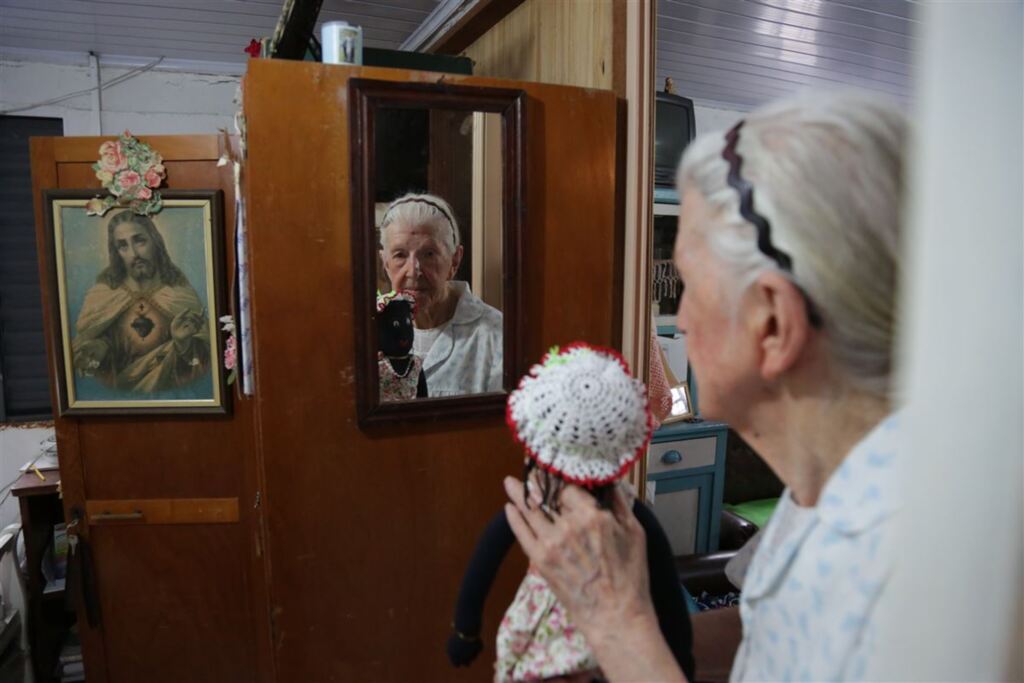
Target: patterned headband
440	209
745	189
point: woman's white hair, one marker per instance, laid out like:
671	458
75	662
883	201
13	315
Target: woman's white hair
827	171
423	209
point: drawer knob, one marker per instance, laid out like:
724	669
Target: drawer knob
671	457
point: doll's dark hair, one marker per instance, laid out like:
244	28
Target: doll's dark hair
551	486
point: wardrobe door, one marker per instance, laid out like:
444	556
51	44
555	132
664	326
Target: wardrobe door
369	531
166	502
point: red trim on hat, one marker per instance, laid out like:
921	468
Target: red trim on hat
583	481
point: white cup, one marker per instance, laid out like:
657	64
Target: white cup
342	43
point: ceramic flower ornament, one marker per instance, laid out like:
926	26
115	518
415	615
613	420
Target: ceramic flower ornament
131	171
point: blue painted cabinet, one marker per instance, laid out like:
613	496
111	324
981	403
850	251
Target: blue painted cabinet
685	473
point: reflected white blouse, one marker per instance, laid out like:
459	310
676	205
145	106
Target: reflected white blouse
466	357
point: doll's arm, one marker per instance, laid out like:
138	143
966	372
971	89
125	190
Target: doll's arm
666	590
421	385
464	644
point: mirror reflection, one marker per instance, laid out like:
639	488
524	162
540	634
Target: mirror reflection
438	194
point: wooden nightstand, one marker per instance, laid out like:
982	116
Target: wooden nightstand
48	617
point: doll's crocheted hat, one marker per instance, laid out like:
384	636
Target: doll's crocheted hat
581	415
403	295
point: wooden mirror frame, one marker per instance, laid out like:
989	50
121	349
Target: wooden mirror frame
366	96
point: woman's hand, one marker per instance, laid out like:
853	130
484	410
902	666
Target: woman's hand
596	563
594	560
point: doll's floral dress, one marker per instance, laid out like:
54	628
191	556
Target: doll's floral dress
395	387
536	639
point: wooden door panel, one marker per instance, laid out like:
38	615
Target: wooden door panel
170	459
370	531
158	627
178	601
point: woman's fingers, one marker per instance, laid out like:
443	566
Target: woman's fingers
622	507
574	498
523	520
521	528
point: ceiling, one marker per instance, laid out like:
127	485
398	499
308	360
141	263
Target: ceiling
734	53
740	53
198	30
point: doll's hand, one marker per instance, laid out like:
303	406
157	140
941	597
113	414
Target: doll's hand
462	649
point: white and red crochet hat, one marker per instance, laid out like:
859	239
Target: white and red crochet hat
581	415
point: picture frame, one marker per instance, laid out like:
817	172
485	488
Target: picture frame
135	303
682	404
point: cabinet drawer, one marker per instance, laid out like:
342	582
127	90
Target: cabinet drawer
672	456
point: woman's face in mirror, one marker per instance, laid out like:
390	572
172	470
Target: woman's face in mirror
416	260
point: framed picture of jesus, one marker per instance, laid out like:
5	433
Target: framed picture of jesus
136	304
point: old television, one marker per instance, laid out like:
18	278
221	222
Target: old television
674	128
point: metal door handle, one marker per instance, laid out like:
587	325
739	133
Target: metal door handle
116	516
671	457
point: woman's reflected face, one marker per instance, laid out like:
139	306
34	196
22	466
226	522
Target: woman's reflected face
416	260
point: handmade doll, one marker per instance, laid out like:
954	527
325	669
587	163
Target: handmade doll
401	371
582	419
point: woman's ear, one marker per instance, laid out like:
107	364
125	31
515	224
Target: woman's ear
456	260
780	323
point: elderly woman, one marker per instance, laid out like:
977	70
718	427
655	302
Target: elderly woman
787	244
458	336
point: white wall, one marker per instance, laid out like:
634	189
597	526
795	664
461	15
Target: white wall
155	102
712	118
955	603
18	445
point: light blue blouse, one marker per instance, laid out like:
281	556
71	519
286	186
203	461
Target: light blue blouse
809	597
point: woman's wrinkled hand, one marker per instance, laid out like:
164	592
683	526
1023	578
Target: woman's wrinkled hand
594	560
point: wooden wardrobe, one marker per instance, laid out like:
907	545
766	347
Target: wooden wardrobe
349	545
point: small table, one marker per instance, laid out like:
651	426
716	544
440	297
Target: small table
47	617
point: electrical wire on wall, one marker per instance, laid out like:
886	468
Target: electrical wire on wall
96	88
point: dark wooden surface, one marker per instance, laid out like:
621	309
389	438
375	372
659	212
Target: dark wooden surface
46	619
450	174
369	533
178	602
29	483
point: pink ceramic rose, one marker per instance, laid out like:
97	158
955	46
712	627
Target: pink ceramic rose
143	192
112	157
95	207
128	180
153	178
230	356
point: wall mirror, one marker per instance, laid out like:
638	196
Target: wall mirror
437	233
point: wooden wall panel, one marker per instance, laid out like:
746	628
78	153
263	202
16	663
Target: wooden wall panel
178	602
568	42
369	532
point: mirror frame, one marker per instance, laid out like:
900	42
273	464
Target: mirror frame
366	96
